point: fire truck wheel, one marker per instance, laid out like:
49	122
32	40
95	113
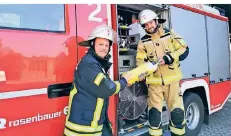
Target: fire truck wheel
194	112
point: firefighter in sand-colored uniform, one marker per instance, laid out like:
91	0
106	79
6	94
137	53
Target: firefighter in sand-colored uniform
165	47
88	100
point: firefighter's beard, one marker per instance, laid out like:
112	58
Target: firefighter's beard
152	30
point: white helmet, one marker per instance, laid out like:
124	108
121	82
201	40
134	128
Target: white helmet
101	31
148	15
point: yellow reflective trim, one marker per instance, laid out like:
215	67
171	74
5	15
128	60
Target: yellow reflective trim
172	78
123	49
177	130
155	128
99	78
82	128
166	79
117	87
97	113
70	133
181	42
123	26
153	80
72	93
155	132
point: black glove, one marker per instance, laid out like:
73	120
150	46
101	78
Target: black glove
168	59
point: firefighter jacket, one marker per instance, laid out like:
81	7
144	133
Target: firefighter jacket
167	45
88	100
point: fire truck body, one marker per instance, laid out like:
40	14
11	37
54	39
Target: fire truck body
209	37
40	49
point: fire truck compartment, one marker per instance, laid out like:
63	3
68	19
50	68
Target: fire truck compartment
132	107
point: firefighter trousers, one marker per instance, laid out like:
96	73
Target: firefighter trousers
171	94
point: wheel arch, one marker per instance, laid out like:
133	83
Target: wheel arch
201	88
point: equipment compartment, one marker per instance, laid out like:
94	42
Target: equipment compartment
132	108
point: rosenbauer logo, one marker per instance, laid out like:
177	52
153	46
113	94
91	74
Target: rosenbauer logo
37	118
2	123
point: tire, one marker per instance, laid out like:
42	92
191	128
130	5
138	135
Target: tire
194	121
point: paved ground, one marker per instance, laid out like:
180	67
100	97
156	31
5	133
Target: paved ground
220	123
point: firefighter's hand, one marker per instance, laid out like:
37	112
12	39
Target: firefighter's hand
161	61
127	77
142	78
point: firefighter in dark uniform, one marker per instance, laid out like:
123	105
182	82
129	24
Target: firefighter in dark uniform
165	47
88	100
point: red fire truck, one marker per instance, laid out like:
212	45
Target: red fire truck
38	49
